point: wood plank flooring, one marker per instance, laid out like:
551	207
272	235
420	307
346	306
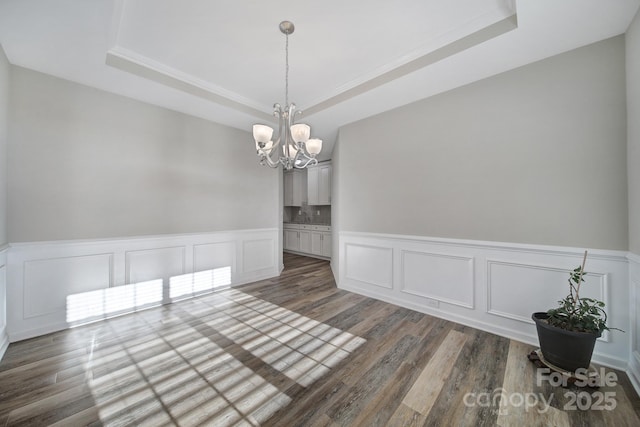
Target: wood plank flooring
291	351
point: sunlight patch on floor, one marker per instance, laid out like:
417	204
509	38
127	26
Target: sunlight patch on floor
215	362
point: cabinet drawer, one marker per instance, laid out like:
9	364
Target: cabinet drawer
321	227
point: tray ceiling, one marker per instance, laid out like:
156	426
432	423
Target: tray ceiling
224	60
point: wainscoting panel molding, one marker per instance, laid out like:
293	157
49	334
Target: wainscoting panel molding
78	273
53	285
210	256
369	265
157	263
536	283
439	277
258	255
491	286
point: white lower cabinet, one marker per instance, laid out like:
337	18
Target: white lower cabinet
316	243
305	241
308	239
291	240
326	245
321	243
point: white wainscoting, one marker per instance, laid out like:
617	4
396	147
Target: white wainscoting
634	316
487	285
4	336
54	285
369	264
451	277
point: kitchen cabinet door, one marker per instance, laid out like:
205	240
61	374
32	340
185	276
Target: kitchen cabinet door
294	188
305	241
324	185
319	185
326	245
316	243
291	240
312	186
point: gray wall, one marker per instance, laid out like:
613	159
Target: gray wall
633	131
89	164
534	155
4	123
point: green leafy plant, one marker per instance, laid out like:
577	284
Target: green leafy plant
576	313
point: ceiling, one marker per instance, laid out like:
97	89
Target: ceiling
224	60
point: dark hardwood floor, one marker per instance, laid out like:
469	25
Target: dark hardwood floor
292	351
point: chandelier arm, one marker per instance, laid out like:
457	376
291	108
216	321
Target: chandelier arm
305	153
266	160
288	140
278	113
310	162
285	123
266	157
287	159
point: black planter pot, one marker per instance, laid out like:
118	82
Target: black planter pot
565	349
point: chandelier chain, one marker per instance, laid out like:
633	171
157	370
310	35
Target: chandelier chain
286	78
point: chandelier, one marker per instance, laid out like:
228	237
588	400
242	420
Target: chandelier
298	150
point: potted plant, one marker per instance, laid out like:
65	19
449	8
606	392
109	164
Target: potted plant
568	333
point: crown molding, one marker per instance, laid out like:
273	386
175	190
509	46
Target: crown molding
134	63
383	76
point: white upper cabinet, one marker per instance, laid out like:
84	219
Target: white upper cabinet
319	185
294	188
312	186
324	185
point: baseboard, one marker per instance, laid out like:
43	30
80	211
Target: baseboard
4	342
36	332
4	337
307	254
50	282
334	270
452	317
59	326
633	371
531	339
491	286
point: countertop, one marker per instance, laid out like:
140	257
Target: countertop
307	223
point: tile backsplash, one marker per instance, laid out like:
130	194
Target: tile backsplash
308	214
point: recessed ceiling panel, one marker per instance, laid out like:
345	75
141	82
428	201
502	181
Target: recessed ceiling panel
235	49
223	60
